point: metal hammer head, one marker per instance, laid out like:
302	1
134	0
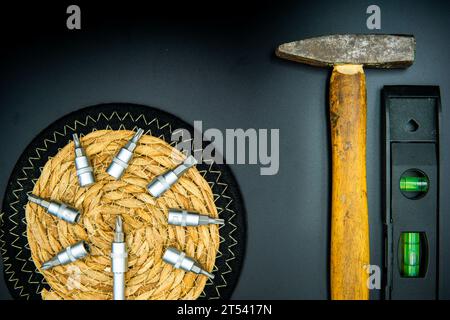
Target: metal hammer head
370	50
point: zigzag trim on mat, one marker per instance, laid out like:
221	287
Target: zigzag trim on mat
11	277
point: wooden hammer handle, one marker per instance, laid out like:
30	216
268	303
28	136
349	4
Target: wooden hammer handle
349	214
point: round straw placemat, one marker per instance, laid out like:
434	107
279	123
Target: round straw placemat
30	236
145	220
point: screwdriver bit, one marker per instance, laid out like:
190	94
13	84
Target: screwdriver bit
186	218
59	210
83	166
179	260
70	254
163	182
119	261
120	162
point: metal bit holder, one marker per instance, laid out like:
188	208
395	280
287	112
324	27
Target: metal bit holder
163	182
119	261
120	162
59	210
186	218
85	173
179	260
70	254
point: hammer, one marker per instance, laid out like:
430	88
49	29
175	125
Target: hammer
347	54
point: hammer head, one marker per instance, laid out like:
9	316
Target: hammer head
370	50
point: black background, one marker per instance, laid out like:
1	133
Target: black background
214	62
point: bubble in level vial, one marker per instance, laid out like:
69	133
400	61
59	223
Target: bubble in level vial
414	184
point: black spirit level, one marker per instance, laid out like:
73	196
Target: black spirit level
411	194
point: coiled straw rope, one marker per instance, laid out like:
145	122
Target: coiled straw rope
145	222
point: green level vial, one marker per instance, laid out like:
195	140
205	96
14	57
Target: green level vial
410	246
414	184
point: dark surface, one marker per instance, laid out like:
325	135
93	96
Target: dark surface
220	68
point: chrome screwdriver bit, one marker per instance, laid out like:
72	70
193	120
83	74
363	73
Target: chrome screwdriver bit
85	173
70	254
59	210
119	261
179	260
186	218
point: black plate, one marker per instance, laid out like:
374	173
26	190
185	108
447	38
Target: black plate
24	280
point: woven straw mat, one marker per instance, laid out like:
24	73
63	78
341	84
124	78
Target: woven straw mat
145	222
